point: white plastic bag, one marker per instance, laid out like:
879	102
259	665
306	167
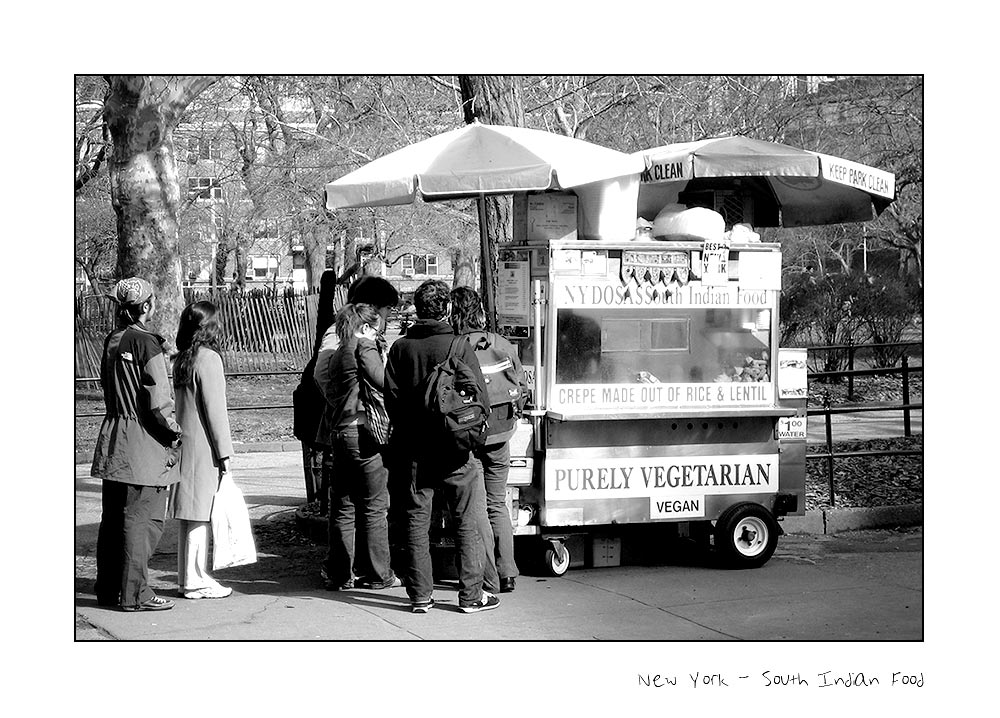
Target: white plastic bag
232	537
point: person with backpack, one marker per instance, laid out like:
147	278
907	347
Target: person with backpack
435	395
508	392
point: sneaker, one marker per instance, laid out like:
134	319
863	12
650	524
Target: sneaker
422	606
485	603
154	604
209	592
507	585
331	586
394	582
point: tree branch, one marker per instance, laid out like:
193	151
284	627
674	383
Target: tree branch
189	87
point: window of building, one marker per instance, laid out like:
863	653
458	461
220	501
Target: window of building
205	187
202	148
261	267
266	229
419	264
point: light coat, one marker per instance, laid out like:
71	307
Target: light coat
204	419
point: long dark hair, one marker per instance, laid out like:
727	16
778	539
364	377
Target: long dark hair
198	328
466	310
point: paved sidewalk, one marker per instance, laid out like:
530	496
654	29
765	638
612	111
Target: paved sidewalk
280	597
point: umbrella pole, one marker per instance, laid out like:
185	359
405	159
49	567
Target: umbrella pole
485	270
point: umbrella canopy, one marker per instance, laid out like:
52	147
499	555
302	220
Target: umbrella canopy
478	160
789	187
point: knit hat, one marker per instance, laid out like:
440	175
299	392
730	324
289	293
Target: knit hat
371	289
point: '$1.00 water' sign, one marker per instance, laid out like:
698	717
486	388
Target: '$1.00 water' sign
791	427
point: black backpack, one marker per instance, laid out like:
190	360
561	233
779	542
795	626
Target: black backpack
457	412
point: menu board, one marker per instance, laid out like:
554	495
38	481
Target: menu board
513	293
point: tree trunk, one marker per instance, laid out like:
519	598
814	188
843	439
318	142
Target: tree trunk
141	112
463	268
314	245
222	252
493	100
240	263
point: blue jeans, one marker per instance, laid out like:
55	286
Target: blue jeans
359	488
457	479
495	460
401	472
491	579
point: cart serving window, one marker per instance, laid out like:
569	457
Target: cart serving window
638	333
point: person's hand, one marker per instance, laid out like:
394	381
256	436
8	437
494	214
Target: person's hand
369	332
223	467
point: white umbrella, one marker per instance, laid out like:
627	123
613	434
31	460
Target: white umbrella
790	187
478	160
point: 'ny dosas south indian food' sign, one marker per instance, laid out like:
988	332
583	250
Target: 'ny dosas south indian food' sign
581	294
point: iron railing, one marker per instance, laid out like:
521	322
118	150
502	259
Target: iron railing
827	411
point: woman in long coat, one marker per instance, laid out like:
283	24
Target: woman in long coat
200	394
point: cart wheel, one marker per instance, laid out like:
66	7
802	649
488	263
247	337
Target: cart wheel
553	565
746	536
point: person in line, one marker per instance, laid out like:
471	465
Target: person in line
360	492
367	289
308	403
200	388
411	361
135	454
469	320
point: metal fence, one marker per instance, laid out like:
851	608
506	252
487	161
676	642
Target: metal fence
263	330
828	411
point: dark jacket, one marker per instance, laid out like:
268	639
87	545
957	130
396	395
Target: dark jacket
138	428
410	362
342	398
308	405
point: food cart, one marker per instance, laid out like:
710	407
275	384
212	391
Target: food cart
659	395
658	391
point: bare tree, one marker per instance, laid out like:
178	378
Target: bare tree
141	112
